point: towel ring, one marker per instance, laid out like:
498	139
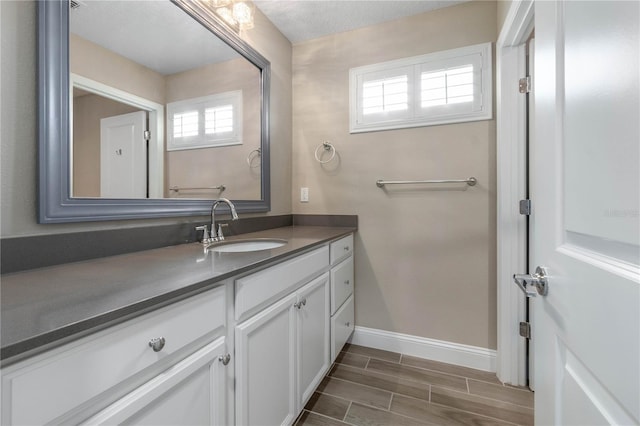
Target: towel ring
251	156
327	147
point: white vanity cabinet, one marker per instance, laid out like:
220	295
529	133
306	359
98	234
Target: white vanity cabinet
116	376
342	281
250	351
282	350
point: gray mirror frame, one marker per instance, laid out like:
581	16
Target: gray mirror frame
55	202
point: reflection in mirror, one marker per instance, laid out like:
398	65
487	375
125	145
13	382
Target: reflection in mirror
70	183
160	107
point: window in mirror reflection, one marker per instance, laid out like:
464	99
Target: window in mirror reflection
161	107
205	122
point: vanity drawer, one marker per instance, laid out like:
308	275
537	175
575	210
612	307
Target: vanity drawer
341	248
342	325
257	290
48	386
341	283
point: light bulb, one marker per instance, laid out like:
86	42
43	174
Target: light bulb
243	14
227	15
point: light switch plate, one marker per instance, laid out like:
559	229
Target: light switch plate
304	195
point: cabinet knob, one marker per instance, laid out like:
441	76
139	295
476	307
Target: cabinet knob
157	343
346	282
224	359
348	324
346	248
304	302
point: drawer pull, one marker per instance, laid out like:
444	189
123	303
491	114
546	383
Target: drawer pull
348	324
346	248
157	344
224	359
346	282
301	303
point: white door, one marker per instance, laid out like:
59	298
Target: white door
123	156
313	342
531	344
585	221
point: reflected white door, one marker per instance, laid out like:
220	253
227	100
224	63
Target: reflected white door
123	156
585	222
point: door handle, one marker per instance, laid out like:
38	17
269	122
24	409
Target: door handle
224	359
534	284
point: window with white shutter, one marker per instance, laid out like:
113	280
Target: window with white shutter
209	121
384	95
444	87
185	124
218	119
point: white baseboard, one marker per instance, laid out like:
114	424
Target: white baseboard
437	350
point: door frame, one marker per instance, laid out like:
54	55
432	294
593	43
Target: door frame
511	188
156	127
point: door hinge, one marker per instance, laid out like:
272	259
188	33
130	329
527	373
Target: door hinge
524	84
525	329
147	135
525	207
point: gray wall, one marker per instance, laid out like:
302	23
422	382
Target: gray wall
502	11
18	123
425	256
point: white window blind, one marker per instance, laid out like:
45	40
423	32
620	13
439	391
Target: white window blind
385	94
208	121
185	124
450	86
443	87
218	119
389	94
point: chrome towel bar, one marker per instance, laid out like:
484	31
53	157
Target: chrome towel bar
381	183
178	189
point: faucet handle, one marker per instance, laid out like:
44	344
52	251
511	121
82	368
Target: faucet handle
205	233
220	234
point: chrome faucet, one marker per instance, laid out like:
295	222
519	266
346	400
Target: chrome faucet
234	216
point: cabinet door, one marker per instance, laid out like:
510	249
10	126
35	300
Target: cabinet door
313	342
192	392
265	366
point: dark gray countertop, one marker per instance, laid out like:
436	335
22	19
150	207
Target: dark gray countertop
47	307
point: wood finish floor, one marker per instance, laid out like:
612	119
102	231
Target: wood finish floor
370	387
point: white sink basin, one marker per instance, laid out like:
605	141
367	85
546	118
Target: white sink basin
239	246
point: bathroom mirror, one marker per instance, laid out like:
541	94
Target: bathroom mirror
194	95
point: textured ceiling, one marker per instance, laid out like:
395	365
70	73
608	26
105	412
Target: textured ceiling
159	36
155	34
302	20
